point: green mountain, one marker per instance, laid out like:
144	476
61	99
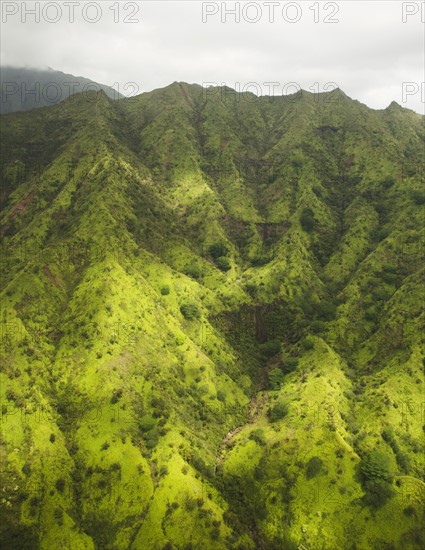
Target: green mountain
23	89
211	323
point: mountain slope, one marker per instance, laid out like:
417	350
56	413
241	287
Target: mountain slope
211	320
23	89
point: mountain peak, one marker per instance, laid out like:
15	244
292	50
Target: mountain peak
394	106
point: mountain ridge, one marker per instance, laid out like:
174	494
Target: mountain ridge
212	320
26	88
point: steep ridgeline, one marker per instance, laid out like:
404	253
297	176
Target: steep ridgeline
211	323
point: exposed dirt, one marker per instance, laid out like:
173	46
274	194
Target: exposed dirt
21	206
51	277
255	408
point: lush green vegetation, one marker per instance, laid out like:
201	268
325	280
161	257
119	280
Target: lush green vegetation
211	323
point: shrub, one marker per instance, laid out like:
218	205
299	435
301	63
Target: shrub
371	315
190	311
376	466
388	182
307	220
378	492
307	344
283	542
276	413
58	515
326	310
192	270
380	207
317	191
165	290
147	423
260	259
215	533
258	437
317	327
418	197
276	377
377	478
223	263
116	396
218	250
163	471
251	288
199	464
221	395
388	435
151	439
389	268
297	161
403	461
60	485
190	504
270	348
381	294
314	467
289	364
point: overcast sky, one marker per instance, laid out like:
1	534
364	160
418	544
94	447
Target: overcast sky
363	47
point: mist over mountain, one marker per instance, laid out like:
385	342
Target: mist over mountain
212	323
24	88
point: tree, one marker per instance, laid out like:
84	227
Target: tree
258	436
276	377
377	478
192	270
218	250
251	288
418	197
190	311
289	364
270	348
279	411
376	466
307	220
378	492
388	182
314	467
326	310
147	423
221	395
223	263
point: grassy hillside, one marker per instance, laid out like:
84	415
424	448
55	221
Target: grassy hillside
211	323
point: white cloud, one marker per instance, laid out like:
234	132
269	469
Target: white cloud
369	53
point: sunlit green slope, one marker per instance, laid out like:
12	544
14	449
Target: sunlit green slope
211	323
